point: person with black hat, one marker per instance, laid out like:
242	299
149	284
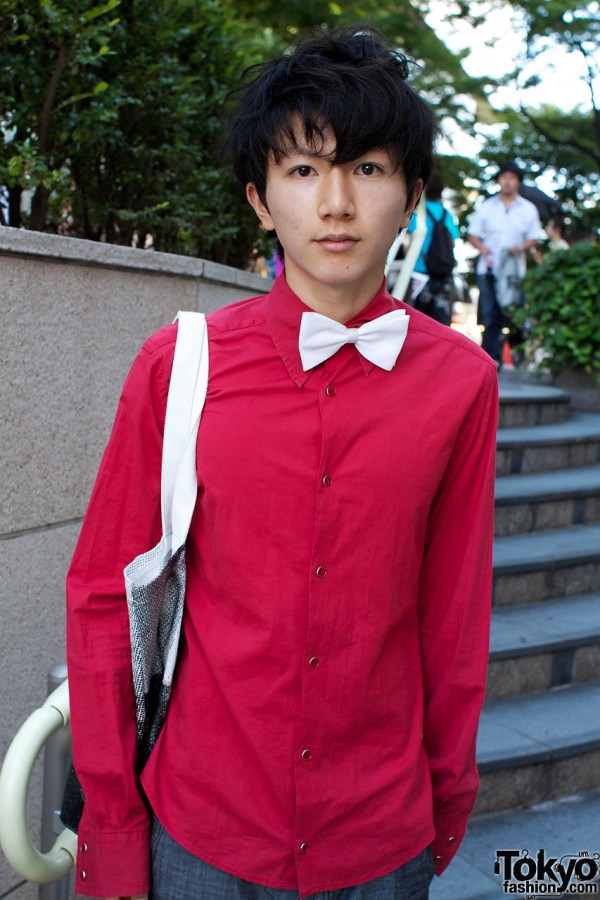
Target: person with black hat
503	229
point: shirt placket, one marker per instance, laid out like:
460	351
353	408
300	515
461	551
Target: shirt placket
313	760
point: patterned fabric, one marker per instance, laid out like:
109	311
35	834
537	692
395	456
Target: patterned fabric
155	614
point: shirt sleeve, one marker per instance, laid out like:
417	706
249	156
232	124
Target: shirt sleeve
455	605
535	231
122	520
476	225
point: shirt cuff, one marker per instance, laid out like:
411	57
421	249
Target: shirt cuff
113	865
445	845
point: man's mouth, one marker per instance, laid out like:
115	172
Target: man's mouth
338	242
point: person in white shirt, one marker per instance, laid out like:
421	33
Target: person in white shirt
505	223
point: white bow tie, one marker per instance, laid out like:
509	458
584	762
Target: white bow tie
379	341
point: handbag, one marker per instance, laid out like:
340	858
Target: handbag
155	580
509	283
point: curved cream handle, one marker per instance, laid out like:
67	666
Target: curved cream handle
18	765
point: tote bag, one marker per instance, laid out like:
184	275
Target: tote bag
155	580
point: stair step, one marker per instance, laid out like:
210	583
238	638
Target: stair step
539	747
523	403
547	500
544	645
539	736
543	448
565	827
529	568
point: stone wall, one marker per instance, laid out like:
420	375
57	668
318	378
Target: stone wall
73	315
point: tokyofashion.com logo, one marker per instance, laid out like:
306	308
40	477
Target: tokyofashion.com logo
542	876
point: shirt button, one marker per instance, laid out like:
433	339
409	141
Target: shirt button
84	848
330	390
451	840
303	847
327	480
83	876
306	754
437	859
320	571
314	662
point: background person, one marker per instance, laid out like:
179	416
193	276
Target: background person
435	298
505	224
556	230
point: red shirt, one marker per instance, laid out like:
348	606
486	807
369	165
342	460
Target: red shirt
322	726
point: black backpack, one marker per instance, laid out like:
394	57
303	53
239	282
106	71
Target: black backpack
439	259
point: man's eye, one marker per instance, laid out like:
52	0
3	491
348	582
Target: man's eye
302	171
368	168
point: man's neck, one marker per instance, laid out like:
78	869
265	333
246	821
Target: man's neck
508	199
340	309
338	302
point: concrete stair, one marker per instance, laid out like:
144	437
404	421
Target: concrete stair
565	444
547	500
535	647
539	738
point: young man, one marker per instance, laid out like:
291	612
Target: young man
505	225
321	731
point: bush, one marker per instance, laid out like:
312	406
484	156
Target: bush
561	315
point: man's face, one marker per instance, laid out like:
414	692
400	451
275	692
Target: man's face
336	223
509	184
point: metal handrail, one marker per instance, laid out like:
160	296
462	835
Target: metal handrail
15	776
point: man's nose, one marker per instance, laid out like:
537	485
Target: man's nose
336	194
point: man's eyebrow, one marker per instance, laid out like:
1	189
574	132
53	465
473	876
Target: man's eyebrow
301	150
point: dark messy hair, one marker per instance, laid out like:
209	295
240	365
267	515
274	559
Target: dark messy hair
349	80
559	223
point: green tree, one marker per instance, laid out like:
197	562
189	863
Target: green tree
133	112
561	314
111	111
547	137
569	153
145	166
439	73
49	59
575	26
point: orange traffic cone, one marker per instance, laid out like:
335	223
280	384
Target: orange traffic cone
507	359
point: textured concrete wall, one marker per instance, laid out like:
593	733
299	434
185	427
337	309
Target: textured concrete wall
73	314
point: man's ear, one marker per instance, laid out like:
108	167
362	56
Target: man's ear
259	207
412	203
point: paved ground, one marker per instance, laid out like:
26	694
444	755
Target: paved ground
566	827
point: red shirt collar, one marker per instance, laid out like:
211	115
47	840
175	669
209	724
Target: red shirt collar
285	310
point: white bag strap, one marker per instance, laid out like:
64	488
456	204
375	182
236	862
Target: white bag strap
187	393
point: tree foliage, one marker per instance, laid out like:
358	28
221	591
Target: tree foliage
49	60
562	310
572	24
111	110
439	74
568	154
111	116
565	141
